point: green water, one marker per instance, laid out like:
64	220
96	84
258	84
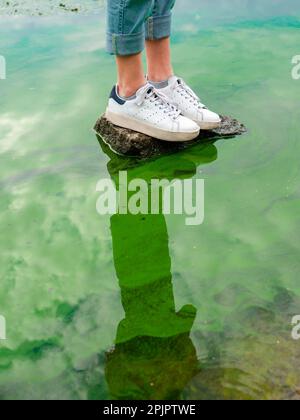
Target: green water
140	307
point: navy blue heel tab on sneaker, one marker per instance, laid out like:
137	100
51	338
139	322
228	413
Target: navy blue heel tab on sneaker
114	95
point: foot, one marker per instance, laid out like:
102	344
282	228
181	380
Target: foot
184	98
149	112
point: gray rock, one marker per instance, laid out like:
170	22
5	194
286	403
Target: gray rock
130	143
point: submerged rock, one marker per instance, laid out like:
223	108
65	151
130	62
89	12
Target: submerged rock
130	143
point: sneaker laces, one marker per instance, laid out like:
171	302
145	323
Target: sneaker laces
159	99
184	90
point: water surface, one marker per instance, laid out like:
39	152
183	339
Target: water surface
145	306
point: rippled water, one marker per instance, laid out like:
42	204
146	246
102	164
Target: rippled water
146	307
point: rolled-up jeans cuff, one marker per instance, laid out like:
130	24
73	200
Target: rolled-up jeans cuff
121	44
158	27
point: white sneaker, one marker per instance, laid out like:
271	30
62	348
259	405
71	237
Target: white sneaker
184	98
149	112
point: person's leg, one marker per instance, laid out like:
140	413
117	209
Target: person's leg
159	59
126	39
158	31
160	71
131	74
134	103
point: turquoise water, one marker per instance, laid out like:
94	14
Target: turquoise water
101	307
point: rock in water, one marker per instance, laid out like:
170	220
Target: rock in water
130	143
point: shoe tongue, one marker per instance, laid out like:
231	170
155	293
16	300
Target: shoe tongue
174	80
146	88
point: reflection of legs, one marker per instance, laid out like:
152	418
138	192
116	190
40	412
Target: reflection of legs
154	357
142	263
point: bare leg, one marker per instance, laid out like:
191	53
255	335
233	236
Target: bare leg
131	75
159	59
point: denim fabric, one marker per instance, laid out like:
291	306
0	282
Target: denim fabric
129	22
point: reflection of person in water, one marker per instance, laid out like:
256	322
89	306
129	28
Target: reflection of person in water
154	357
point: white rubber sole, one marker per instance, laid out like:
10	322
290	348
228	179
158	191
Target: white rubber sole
208	125
144	128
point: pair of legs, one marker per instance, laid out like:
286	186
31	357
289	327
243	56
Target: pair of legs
164	107
131	75
133	25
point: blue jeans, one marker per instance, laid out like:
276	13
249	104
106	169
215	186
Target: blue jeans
130	22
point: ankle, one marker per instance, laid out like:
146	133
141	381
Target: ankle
126	90
160	76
